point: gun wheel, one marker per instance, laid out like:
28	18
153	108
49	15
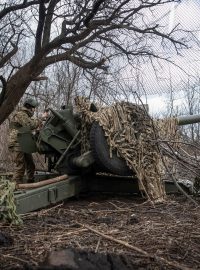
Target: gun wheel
67	166
100	150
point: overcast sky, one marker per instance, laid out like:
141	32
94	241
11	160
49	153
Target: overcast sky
187	14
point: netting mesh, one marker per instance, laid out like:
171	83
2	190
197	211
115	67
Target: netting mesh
129	130
7	203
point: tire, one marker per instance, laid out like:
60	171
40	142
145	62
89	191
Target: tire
100	150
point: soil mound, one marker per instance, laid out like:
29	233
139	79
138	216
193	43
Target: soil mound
73	259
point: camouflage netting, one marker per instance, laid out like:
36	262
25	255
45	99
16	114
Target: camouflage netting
168	138
167	129
7	203
129	129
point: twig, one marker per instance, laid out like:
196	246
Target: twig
183	191
40	78
117	207
115	240
157	258
176	183
98	243
78	244
18	259
71	233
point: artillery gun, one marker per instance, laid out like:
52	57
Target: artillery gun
60	141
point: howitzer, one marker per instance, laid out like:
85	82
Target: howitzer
60	141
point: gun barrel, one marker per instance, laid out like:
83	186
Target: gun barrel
66	123
188	119
58	115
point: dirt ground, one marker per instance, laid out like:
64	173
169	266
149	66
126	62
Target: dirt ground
127	232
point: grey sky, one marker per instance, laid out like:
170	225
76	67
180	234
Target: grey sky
187	14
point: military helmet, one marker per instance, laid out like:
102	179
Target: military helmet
31	102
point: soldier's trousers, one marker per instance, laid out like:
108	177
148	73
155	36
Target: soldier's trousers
23	162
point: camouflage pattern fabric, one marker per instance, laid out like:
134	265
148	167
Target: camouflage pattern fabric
23	162
22	118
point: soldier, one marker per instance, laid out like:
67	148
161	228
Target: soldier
23	161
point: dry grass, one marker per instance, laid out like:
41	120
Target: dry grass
168	233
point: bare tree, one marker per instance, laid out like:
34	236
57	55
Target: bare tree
61	87
86	33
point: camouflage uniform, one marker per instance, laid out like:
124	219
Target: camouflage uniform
23	161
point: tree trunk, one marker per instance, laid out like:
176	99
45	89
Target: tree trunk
17	86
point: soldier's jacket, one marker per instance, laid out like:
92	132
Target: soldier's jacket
22	118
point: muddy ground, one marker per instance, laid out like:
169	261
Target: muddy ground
166	236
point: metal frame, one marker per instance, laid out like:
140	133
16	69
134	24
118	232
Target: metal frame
37	198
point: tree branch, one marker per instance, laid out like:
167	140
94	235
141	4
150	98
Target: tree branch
93	12
7	57
40	27
48	21
3	91
25	4
76	60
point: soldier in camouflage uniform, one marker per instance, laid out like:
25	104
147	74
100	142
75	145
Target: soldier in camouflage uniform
23	161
